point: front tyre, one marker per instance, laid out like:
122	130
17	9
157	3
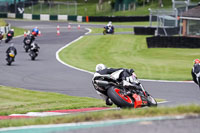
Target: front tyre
119	99
151	101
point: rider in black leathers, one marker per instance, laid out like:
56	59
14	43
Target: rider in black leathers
11	48
102	69
196	72
11	32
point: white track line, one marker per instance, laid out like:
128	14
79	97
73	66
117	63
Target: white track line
102	123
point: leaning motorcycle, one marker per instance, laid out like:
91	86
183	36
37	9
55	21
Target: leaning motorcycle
108	30
27	42
34	50
9	37
133	95
10	57
1	37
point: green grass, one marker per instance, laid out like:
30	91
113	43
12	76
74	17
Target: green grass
16	100
2	22
100	30
18	31
123	23
105	115
90	9
130	51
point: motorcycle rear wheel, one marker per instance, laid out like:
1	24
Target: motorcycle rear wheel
32	58
119	99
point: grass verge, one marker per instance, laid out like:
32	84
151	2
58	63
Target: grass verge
2	22
18	31
24	101
130	51
105	115
16	100
100	30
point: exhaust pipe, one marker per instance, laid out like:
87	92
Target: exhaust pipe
101	83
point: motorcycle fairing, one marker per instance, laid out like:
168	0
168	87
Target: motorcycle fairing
116	74
138	101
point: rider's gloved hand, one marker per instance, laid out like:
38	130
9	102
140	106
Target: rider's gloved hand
125	83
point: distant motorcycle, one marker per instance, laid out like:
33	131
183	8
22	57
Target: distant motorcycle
34	51
1	36
27	42
123	96
196	74
9	37
108	30
10	57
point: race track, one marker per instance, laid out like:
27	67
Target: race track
46	73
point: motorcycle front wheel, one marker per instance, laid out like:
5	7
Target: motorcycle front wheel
151	101
119	99
9	61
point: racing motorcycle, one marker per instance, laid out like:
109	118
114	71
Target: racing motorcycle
27	42
10	57
1	36
108	30
34	50
133	95
196	74
9	37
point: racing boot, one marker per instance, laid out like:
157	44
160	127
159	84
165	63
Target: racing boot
109	102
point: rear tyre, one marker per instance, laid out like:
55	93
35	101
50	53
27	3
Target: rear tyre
32	58
119	99
7	40
151	101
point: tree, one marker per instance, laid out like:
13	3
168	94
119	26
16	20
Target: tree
160	3
100	2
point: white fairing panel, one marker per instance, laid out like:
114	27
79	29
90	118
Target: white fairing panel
116	74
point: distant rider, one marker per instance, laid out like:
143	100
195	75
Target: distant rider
35	31
11	48
11	32
196	72
123	78
35	47
1	36
109	26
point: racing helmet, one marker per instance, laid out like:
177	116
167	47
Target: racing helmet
196	61
100	67
12	30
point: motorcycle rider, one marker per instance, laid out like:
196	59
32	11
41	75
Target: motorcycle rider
11	48
35	31
11	32
34	47
29	36
123	78
109	26
1	36
196	72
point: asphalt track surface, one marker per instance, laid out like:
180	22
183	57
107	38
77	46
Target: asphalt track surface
48	75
